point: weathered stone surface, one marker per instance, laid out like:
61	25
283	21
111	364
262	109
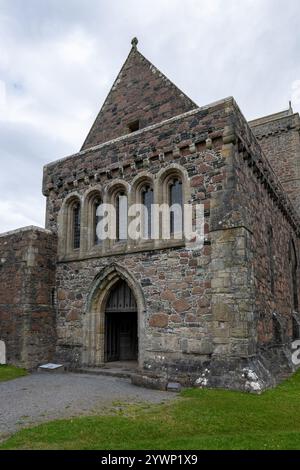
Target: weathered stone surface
181	305
61	295
219	316
168	295
141	93
159	320
222	312
27	293
148	381
175	318
279	137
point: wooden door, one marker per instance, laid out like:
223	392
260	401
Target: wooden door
121	341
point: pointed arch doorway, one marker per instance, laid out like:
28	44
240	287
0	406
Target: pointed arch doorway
102	295
121	324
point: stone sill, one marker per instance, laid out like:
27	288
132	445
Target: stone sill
121	249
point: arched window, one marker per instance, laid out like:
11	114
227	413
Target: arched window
76	225
69	225
173	194
176	206
121	216
95	220
147	216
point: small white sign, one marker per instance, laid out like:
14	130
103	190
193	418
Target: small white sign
51	366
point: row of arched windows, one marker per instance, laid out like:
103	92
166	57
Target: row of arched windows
80	220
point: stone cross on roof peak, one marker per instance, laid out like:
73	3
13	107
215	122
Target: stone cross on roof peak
134	42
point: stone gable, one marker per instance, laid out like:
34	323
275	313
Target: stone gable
140	93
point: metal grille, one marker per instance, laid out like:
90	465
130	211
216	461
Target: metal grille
76	226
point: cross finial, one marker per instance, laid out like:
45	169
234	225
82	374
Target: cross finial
134	42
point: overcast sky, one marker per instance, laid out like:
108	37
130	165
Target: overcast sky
58	59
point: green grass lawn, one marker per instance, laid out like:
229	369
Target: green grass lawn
199	419
11	372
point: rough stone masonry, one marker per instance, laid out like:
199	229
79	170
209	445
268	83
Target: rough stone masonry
222	316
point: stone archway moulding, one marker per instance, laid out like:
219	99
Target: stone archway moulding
94	319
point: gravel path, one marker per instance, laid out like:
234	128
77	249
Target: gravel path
41	397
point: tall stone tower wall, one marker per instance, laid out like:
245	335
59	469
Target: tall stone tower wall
279	138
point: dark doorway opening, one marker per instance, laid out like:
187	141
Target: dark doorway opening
121	333
121	337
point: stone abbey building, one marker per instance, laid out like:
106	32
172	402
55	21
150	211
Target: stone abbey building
221	316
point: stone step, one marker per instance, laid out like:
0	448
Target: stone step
113	372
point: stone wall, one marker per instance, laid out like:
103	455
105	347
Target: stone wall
176	318
153	148
207	315
279	137
264	209
175	281
27	295
140	93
